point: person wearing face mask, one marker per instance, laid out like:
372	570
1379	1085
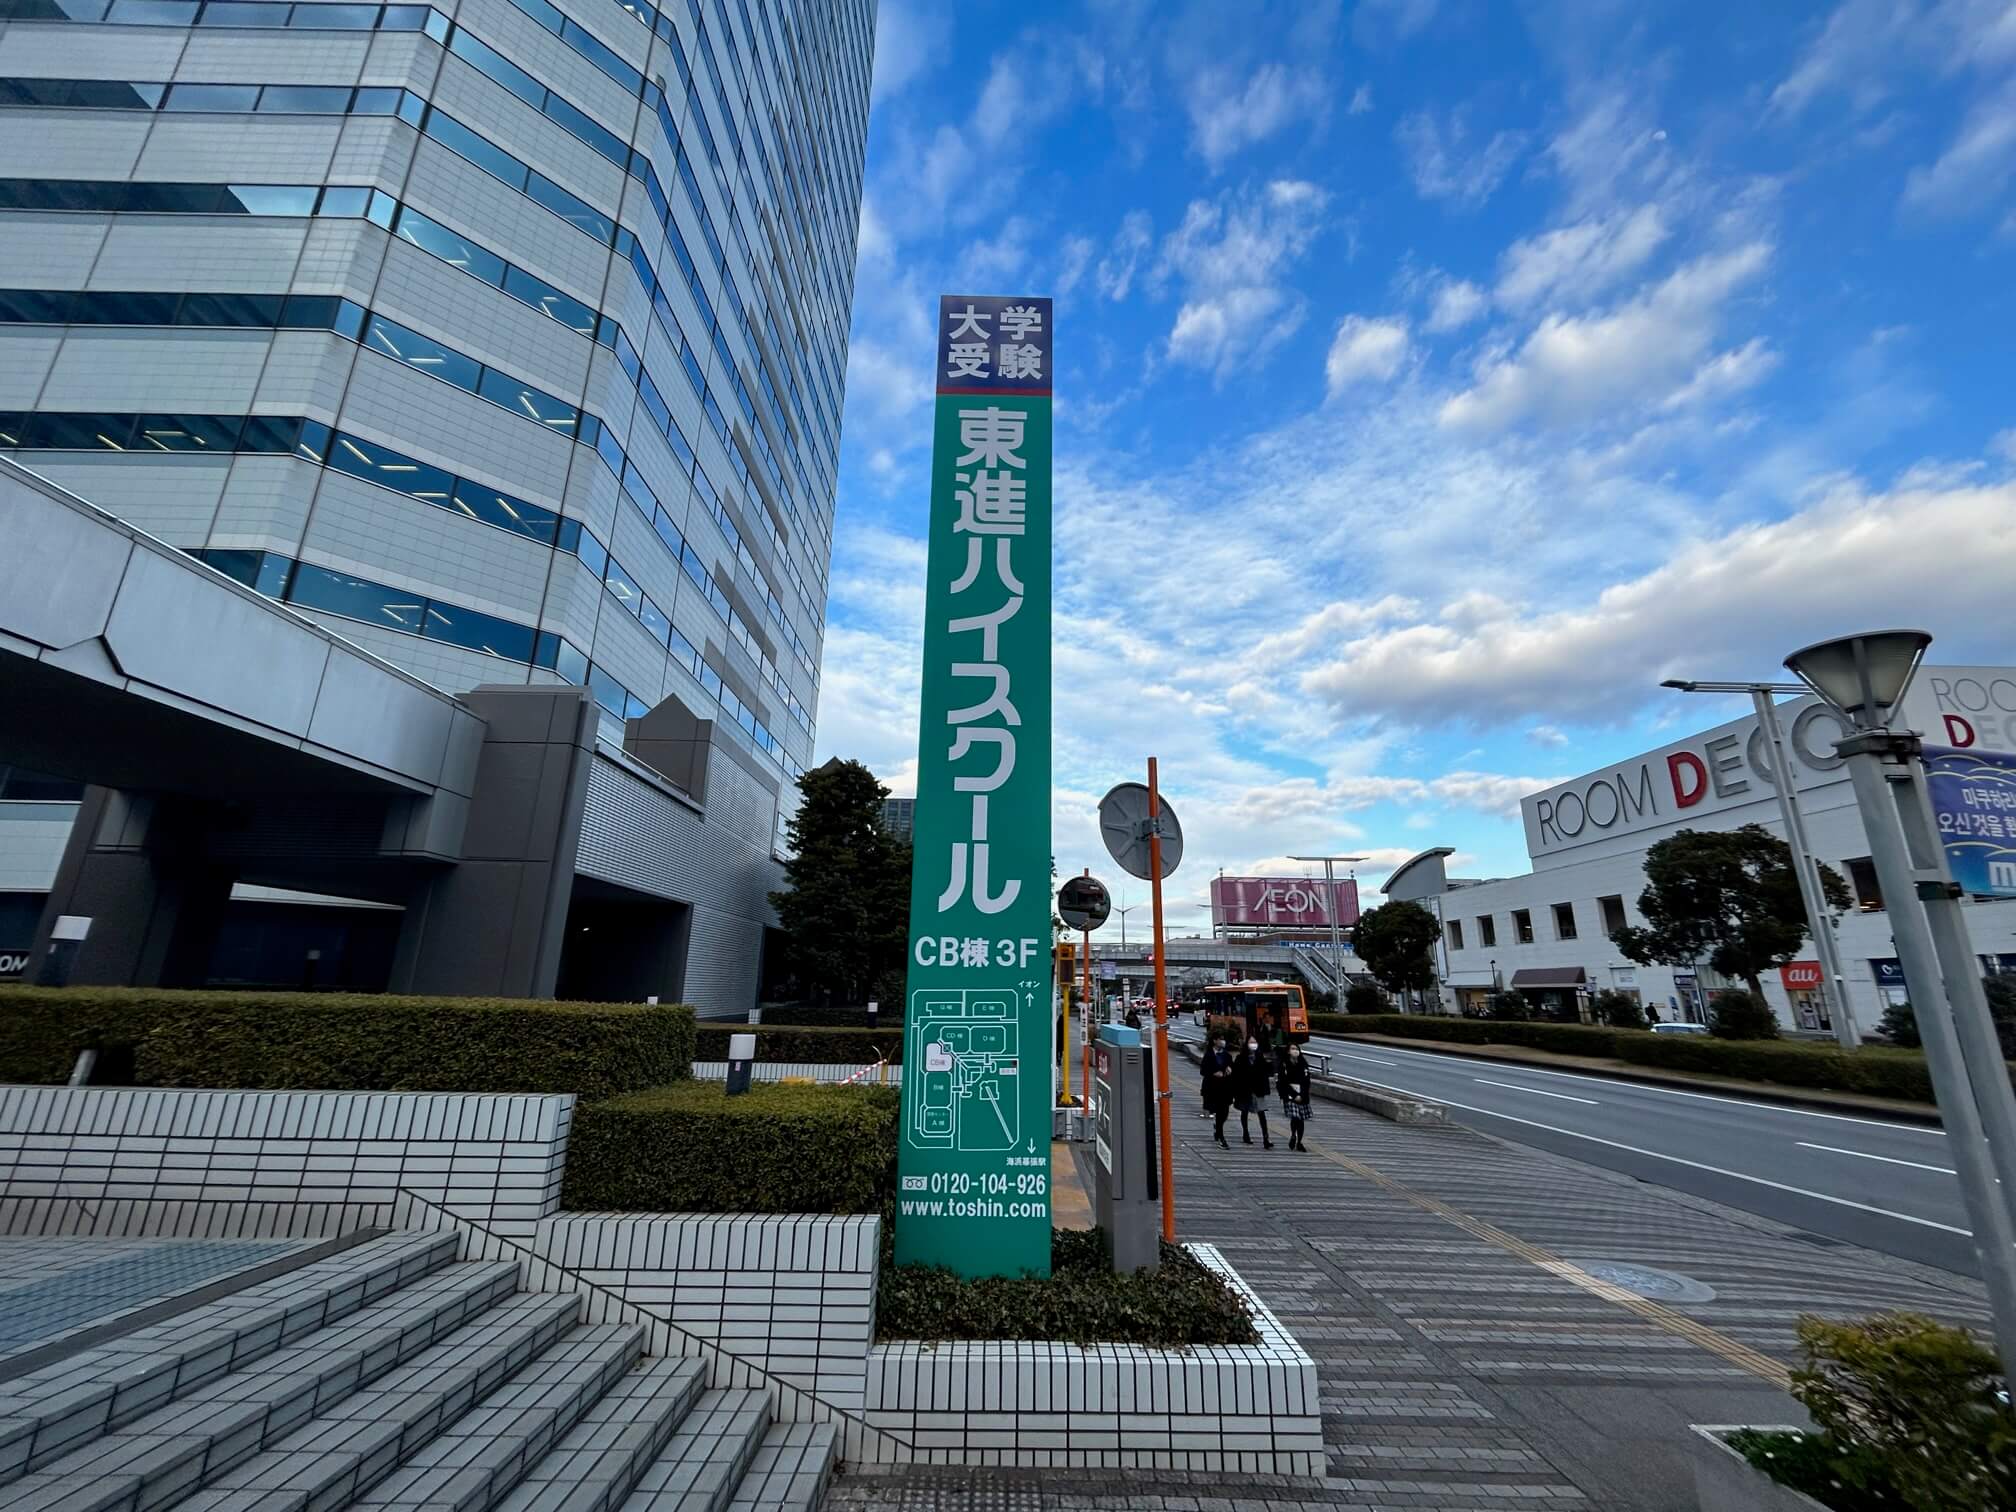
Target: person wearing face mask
1253	1078
1219	1073
1294	1088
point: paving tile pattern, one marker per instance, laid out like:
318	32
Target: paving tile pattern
46	1293
1456	1374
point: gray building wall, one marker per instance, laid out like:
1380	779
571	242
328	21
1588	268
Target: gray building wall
767	105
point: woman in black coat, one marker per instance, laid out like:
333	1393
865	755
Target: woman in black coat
1294	1088
1218	1086
1253	1083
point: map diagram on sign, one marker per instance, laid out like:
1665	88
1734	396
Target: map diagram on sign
963	1048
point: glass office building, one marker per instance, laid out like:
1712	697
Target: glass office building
506	338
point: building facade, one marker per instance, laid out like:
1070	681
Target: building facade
1548	933
507	339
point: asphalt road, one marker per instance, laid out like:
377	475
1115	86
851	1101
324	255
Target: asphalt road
1887	1186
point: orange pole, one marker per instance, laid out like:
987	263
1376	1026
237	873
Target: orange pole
1085	1034
1161	1013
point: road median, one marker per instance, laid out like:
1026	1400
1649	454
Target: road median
1621	1070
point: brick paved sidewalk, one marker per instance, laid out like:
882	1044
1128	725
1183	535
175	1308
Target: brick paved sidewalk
1472	1350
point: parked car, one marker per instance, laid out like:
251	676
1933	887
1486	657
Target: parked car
1679	1028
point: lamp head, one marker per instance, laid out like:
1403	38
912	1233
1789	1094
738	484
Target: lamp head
1680	684
1864	676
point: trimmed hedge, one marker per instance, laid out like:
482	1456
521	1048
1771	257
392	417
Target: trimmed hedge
1564	1039
1873	1070
811	1016
308	1040
777	1148
791	1042
1082	1302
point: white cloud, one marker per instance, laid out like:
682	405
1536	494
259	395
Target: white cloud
1364	349
1131	242
2003	444
908	37
1074	256
1575	263
1231	256
1547	735
1457	303
1723	603
1226	117
1361	101
1001	258
1975	169
1573	369
1724	374
1853	53
1380	23
1447	164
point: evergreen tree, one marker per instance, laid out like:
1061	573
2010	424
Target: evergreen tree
845	907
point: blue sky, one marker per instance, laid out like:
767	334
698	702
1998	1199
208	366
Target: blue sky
1436	377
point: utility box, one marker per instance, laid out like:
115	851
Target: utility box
1126	1181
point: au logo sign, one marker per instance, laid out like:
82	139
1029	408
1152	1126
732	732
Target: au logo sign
975	1138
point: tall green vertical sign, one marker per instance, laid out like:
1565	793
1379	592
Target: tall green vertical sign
974	1171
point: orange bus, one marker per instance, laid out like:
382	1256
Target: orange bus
1279	1004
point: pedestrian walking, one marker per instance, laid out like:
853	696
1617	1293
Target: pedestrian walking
1294	1087
1253	1084
1219	1073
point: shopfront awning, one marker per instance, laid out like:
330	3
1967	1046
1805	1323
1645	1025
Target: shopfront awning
1557	977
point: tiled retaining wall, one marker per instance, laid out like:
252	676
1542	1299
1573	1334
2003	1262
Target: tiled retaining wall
1216	1407
794	1295
779	1301
117	1161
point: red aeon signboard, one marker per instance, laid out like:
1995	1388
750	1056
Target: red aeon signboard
1281	902
1800	976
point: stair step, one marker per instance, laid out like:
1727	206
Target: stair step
196	1443
790	1471
701	1467
601	1458
49	1411
480	1457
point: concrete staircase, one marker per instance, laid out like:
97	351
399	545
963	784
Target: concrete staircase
393	1376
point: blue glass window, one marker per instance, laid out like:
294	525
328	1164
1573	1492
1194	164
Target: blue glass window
187	433
309	99
453	135
654	620
436	239
475	631
481	502
609	693
233	97
267	199
619	582
422	352
354	598
239	13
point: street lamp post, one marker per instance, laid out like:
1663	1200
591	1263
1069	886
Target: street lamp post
1330	907
1864	678
1819	923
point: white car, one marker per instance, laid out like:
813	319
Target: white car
1679	1028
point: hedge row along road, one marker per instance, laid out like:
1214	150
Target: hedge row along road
1887	1186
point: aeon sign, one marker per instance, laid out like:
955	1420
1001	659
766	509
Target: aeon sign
1720	768
1281	902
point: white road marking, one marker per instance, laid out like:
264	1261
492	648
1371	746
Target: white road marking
1485	1081
1886	1159
1470	1063
1693	1164
1345	1055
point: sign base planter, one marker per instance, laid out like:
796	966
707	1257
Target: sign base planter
1727	1482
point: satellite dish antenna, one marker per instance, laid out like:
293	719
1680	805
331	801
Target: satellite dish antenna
1125	827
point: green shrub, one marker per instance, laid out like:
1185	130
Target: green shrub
365	1041
1564	1039
1082	1301
1899	1025
1741	1015
1510	1007
1871	1070
784	1043
1910	1413
1620	1010
1363	997
814	1016
690	1147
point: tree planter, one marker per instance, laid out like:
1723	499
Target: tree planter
1726	1482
